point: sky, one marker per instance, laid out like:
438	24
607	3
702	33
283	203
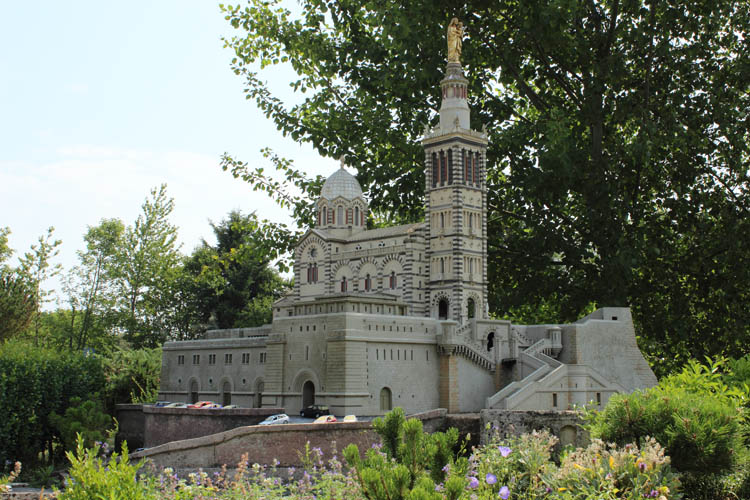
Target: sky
102	101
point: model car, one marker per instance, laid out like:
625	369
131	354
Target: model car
279	418
350	418
314	411
204	404
231	407
176	405
325	419
161	404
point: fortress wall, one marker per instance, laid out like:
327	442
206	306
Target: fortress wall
163	425
475	384
263	444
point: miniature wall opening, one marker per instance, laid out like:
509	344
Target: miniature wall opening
194	391
443	309
259	388
226	394
386	401
471	308
568	435
308	394
490	341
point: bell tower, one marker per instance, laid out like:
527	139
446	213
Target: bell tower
456	200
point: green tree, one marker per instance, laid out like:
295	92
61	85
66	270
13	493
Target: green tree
89	285
18	303
144	270
36	267
5	250
617	166
234	284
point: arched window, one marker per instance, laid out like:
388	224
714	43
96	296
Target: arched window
356	216
386	402
471	308
467	168
450	166
443	168
368	283
490	341
442	220
340	215
443	309
325	216
343	284
393	280
312	273
475	169
435	173
442	265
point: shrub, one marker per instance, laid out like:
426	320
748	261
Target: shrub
699	432
410	463
132	376
34	383
85	419
90	477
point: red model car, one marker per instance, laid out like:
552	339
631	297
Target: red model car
204	405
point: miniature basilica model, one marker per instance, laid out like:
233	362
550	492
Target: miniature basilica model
398	316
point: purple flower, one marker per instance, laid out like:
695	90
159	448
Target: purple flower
504	451
439	487
504	493
447	468
473	483
642	466
490	478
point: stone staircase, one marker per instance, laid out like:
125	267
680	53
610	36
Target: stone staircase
543	366
461	343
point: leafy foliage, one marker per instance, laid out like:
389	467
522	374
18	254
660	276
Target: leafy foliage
233	284
132	376
90	285
412	461
90	477
700	432
145	268
83	420
34	383
18	303
618	143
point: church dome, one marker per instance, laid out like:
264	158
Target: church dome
343	184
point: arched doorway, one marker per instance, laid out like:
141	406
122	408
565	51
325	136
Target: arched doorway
259	388
386	403
490	341
471	307
308	394
226	394
443	309
194	391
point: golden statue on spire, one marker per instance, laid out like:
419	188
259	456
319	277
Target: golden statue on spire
455	34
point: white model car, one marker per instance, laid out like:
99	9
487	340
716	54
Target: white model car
280	418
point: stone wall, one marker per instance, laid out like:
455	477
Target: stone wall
263	444
163	425
566	425
131	426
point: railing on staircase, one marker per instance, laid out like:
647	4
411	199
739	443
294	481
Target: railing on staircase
536	357
461	343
